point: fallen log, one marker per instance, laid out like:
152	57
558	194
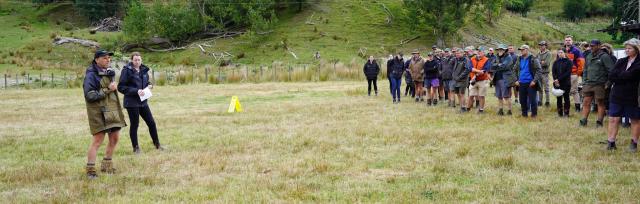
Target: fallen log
86	43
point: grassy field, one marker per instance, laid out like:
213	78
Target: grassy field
308	142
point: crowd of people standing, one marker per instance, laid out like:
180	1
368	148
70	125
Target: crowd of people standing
583	73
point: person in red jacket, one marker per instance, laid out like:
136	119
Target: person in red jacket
576	57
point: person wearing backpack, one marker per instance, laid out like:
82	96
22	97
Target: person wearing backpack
528	71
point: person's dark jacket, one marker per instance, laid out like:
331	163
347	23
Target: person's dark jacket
397	68
132	81
446	68
597	68
534	69
625	82
461	71
501	69
103	105
371	70
431	69
389	67
561	71
407	73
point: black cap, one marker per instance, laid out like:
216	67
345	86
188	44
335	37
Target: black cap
101	53
596	42
434	46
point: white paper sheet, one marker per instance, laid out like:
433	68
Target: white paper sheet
147	94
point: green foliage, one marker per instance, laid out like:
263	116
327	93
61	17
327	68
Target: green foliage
519	6
579	9
258	15
443	17
135	24
174	21
622	15
493	9
96	10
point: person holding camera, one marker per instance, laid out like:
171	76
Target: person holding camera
133	80
479	79
103	110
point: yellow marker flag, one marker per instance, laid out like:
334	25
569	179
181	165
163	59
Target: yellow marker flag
235	106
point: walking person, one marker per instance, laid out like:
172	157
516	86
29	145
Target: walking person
416	66
461	69
625	77
391	58
431	82
562	80
410	89
503	79
545	60
479	79
595	76
103	110
528	71
134	78
576	57
371	70
397	69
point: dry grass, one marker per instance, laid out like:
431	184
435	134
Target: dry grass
308	142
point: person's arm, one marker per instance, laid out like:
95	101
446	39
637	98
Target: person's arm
91	89
608	62
123	85
538	68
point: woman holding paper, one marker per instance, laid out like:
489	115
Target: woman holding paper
135	85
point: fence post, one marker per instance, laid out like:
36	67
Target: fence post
41	81
52	84
219	74
206	74
260	72
193	75
153	76
5	81
17	82
28	79
246	73
289	72
274	72
66	85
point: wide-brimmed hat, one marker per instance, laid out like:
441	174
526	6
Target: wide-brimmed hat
523	47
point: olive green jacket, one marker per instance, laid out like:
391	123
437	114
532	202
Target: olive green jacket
103	105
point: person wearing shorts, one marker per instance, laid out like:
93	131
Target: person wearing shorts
479	79
502	79
460	77
625	78
431	81
595	76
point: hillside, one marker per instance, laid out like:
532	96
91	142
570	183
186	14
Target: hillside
338	30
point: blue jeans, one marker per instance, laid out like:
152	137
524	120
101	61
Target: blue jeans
395	87
528	99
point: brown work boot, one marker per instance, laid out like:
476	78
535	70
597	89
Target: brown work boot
91	171
107	166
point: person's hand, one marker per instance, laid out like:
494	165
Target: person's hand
556	82
113	86
532	84
140	92
150	86
542	62
517	83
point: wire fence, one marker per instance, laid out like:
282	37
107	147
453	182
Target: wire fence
202	74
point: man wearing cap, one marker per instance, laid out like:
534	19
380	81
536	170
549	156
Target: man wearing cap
596	74
528	71
545	60
574	54
446	72
479	79
103	110
460	76
503	79
416	66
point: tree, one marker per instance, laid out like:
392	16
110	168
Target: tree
135	23
443	17
96	10
574	9
493	9
629	14
519	6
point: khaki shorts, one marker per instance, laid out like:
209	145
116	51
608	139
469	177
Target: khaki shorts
594	90
479	89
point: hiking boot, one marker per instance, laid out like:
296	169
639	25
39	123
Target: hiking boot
560	114
539	103
611	145
509	112
376	93
480	111
136	150
107	166
599	123
626	125
91	171
547	104
435	102
394	101
583	122
500	112
160	147
633	147
577	105
517	101
428	102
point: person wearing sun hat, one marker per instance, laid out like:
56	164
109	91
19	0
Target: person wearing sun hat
625	92
503	78
104	111
416	66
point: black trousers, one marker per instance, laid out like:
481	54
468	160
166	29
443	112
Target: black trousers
410	89
563	102
134	119
375	85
